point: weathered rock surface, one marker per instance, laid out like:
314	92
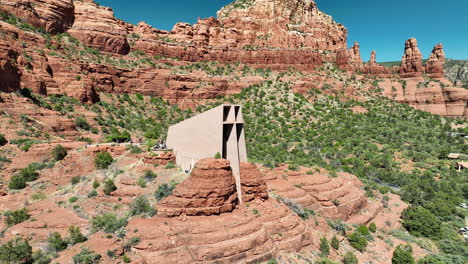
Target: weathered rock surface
9	72
355	54
435	63
437	97
211	189
411	62
252	183
55	16
337	198
97	28
273	34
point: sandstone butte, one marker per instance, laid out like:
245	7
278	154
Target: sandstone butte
276	34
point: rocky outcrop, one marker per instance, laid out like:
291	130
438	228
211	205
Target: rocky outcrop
437	97
411	62
337	198
374	68
96	27
9	72
355	54
211	189
252	183
435	63
274	34
55	16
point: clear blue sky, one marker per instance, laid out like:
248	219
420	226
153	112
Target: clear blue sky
383	25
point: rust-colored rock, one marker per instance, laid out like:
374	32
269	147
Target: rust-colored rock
97	28
55	16
252	183
411	62
211	189
161	159
374	68
436	61
274	34
337	198
355	54
9	72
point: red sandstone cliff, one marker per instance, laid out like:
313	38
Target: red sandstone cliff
271	34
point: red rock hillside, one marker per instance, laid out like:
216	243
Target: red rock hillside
99	53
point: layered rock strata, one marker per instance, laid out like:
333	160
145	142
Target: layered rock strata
335	198
55	16
211	189
96	27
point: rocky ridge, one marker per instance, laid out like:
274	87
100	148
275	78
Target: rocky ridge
99	52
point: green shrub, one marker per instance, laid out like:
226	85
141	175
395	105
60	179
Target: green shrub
421	222
272	261
150	175
40	258
86	256
73	199
82	123
103	160
325	261
170	165
75	236
324	247
59	152
108	222
16	251
141	205
19	180
363	230
453	247
96	184
218	155
3	140
372	227
350	258
56	242
358	241
134	149
403	255
163	191
15	217
126	259
75	180
335	243
92	194
109	187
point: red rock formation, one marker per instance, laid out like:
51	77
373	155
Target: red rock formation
252	183
411	62
162	159
374	68
9	72
337	198
54	16
355	54
436	61
271	33
437	97
373	58
97	28
211	189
